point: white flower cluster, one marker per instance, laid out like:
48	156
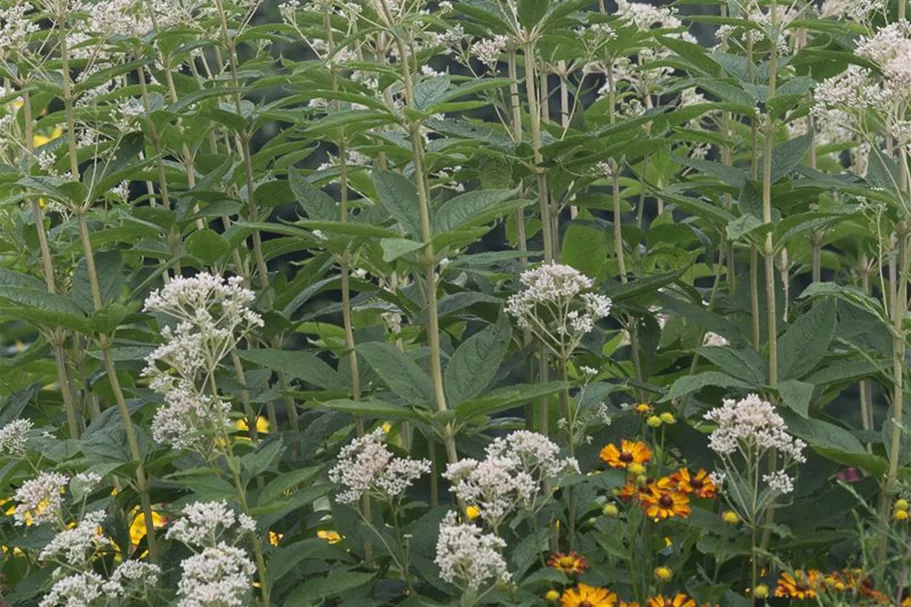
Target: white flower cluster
14	436
40	500
645	17
213	315
219	576
890	49
132	575
204	523
556	306
367	466
752	427
488	50
15	27
858	10
76	590
468	557
512	475
75	546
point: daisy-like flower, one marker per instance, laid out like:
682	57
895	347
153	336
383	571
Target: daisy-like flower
799	585
680	600
584	595
698	484
570	563
635	490
629	453
664	502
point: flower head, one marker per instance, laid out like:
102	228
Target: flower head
663	501
204	523
14	436
468	557
584	595
40	499
570	563
367	466
699	484
799	585
679	600
219	575
629	453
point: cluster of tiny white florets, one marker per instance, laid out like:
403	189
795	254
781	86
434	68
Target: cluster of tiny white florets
488	50
890	49
132	575
40	500
14	436
753	428
513	474
204	523
467	556
367	466
557	306
15	27
213	315
858	10
75	546
77	590
219	575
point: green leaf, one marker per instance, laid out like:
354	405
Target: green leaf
585	248
372	408
207	246
298	365
506	398
401	374
400	197
833	442
314	589
317	204
730	175
787	156
258	461
473	208
693	54
39	307
476	362
796	395
393	248
431	90
693	383
531	12
806	342
745	364
744	225
847	293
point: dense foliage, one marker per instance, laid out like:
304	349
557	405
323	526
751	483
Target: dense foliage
483	302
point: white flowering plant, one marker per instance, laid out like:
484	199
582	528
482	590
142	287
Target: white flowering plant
584	303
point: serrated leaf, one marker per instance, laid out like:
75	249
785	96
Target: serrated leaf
317	204
796	395
806	342
400	197
393	248
476	362
297	364
470	208
314	589
693	383
401	374
207	246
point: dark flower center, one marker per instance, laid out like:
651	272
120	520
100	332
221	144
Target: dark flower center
666	502
626	457
586	604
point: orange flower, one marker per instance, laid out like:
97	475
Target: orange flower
681	600
801	585
584	595
630	604
629	453
663	502
637	490
699	483
571	563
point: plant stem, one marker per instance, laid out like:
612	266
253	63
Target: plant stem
769	248
534	119
104	340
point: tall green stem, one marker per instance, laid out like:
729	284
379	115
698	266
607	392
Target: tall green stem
534	120
104	340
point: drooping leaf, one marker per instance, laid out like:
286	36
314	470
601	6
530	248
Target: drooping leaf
476	362
401	374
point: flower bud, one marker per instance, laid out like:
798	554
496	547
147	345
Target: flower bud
901	515
552	595
901	504
654	421
610	510
636	469
730	517
668	418
761	591
664	574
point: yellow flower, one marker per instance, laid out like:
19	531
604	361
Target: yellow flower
681	600
643	408
901	515
330	536
275	538
38	140
138	526
262	425
664	573
629	453
387	427
761	591
588	596
653	421
472	512
730	517
570	563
